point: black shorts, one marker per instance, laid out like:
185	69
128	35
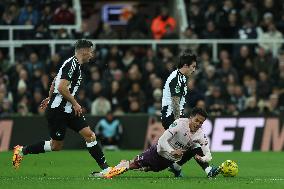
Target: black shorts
58	121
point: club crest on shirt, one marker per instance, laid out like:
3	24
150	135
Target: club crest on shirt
177	89
173	124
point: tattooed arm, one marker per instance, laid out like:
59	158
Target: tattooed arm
175	105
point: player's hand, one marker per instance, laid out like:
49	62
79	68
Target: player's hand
198	158
77	109
44	103
177	153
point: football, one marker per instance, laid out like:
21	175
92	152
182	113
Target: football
229	168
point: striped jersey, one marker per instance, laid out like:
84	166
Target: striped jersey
176	85
71	71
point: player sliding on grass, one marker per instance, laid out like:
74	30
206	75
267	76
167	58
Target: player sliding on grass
62	111
184	135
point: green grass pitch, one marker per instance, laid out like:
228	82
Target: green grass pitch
70	169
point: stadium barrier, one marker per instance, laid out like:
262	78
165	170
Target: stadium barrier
226	134
13	44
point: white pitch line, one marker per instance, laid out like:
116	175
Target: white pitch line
272	179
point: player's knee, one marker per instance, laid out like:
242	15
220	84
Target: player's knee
90	137
56	146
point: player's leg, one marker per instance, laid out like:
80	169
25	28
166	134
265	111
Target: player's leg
93	147
57	128
188	155
149	160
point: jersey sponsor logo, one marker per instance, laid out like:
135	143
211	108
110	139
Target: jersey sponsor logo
180	145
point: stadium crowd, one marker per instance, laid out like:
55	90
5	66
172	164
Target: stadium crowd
246	80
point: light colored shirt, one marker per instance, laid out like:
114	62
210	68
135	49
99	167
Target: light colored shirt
178	136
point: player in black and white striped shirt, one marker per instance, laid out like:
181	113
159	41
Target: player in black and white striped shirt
62	110
173	102
175	89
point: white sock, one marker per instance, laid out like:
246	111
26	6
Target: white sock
208	169
47	146
91	144
176	166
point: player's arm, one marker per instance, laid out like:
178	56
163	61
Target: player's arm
175	105
64	91
206	150
176	96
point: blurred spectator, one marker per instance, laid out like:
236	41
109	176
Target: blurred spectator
37	98
210	32
251	108
189	34
128	59
4	63
10	15
223	14
238	99
226	70
244	62
117	94
84	32
138	26
211	13
155	107
215	102
95	90
271	34
248	30
100	106
22	110
136	94
134	107
109	130
272	107
46	14
41	31
108	32
53	65
264	62
45	84
194	94
34	63
200	104
195	17
6	108
249	12
263	86
160	23
64	15
84	101
28	15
